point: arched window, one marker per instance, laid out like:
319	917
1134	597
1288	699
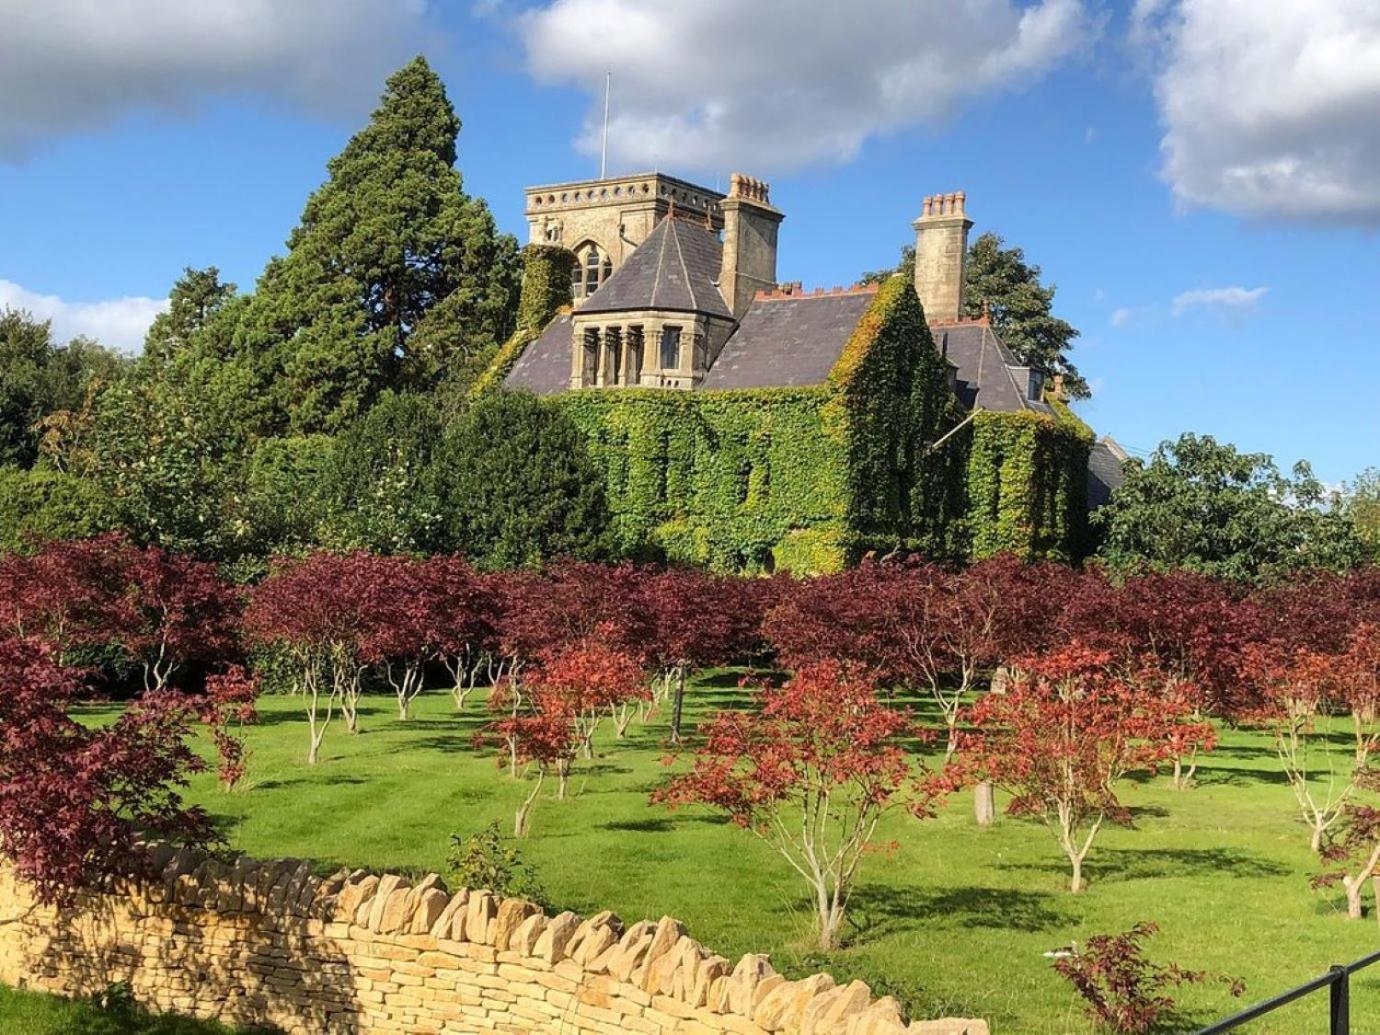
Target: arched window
592	270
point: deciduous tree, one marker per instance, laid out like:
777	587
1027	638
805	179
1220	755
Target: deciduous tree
1061	738
811	774
76	799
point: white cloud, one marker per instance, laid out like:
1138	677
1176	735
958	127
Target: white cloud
117	322
1234	303
779	84
73	65
1122	317
1271	108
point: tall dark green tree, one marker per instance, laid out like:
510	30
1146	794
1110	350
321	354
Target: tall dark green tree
195	299
26	347
1201	505
515	485
999	282
393	273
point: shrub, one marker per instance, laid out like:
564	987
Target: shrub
1124	990
514	485
489	860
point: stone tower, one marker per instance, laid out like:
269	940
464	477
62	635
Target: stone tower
750	230
602	221
941	251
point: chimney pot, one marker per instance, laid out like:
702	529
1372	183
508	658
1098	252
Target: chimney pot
941	249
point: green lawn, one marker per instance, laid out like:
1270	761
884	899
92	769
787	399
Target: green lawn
953	921
31	1013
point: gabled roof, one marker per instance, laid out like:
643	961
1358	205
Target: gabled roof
788	340
674	270
1106	470
544	366
988	374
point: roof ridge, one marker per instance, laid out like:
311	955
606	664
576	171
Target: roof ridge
794	290
660	257
685	271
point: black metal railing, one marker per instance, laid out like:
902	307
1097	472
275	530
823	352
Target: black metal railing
1337	980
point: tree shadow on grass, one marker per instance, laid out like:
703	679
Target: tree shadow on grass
876	910
1113	864
1215	776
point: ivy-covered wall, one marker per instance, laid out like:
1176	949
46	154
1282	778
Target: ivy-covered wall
736	480
1027	485
546	289
805	479
809	479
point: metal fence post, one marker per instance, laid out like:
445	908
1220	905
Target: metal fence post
1341	1001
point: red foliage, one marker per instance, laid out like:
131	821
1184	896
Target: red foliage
1123	989
72	594
811	772
1062	737
162	610
542	614
227	706
76	799
186	614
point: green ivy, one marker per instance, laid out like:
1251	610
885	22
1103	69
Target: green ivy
546	285
546	290
808	479
1028	484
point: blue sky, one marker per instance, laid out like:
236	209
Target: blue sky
1199	177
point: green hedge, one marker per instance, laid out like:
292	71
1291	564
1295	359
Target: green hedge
40	505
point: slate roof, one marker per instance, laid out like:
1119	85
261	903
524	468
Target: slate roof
1105	470
788	341
987	372
674	269
544	366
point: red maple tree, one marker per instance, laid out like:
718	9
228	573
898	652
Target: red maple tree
1059	740
75	799
812	774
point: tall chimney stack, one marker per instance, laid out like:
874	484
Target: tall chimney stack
750	226
941	252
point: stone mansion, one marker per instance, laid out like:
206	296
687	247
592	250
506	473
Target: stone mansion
673	287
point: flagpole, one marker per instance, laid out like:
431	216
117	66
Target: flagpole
604	150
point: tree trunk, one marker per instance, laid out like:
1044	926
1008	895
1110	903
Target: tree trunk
563	777
1076	880
1315	841
1353	885
678	705
520	820
984	804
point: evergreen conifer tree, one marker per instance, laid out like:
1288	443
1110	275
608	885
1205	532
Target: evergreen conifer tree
392	274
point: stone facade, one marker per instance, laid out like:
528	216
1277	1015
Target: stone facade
941	253
613	216
269	943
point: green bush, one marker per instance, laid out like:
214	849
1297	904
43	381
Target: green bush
488	860
514	485
37	506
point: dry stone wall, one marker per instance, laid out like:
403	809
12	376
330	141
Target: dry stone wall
269	943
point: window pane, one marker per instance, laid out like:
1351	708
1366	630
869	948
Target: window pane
670	348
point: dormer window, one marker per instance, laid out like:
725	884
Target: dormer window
593	268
